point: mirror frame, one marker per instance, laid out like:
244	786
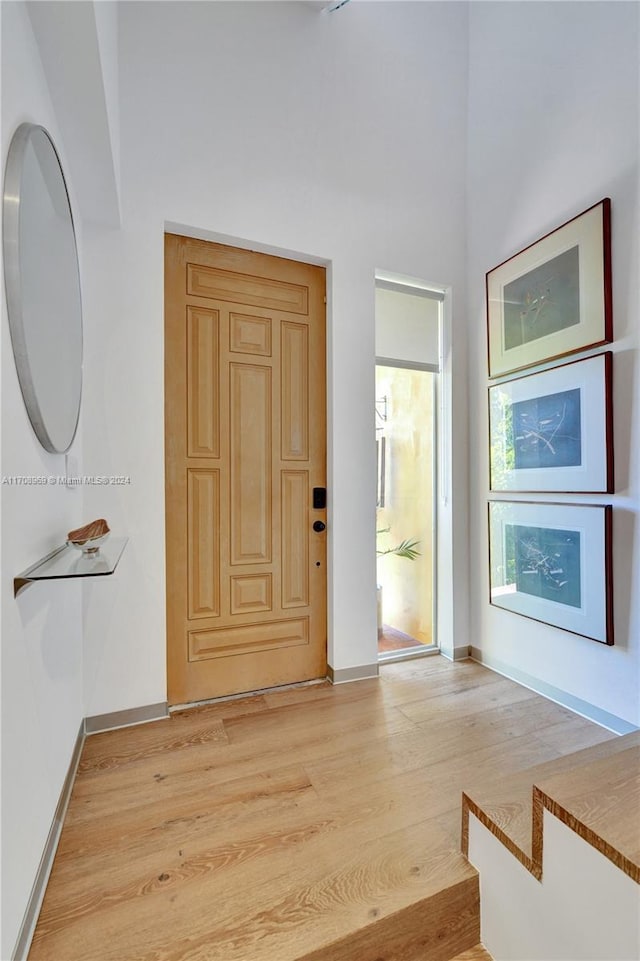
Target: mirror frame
13	188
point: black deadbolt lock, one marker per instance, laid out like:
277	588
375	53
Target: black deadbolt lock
319	498
318	526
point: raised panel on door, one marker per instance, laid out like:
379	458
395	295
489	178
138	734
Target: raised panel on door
295	391
233	287
249	334
203	519
248	639
251	593
250	439
295	538
203	396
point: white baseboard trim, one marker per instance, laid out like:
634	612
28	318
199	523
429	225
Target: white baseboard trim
36	897
359	673
462	653
457	653
133	715
593	713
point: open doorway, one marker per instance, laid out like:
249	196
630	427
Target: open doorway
407	370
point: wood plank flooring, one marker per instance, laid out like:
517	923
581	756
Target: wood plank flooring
391	639
315	822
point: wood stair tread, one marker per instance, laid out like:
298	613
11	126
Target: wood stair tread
582	789
604	798
397	889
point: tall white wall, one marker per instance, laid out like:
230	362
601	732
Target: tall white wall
336	136
553	128
48	78
42	698
106	21
77	43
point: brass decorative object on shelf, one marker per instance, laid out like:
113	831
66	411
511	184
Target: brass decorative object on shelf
89	538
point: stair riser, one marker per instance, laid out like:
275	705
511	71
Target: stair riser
436	929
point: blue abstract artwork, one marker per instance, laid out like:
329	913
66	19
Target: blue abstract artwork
547	431
544	562
543	301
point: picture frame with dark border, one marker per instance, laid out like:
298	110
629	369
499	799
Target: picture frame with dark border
552	563
552	430
553	298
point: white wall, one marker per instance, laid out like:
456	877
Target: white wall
42	699
338	136
106	23
553	129
47	79
77	43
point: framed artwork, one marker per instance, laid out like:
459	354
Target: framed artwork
552	563
553	298
553	431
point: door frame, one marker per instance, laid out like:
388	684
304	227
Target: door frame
446	591
421	650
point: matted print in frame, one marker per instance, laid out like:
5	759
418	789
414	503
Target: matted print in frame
552	563
553	298
553	430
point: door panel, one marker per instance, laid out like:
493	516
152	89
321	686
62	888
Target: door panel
295	537
203	518
245	445
203	403
248	638
295	402
232	286
250	335
250	453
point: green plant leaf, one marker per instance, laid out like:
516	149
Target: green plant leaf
406	548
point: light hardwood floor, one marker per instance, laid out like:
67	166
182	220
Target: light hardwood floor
280	826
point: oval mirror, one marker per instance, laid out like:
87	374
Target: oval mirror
43	287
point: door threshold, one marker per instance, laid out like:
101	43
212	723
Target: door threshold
237	697
390	657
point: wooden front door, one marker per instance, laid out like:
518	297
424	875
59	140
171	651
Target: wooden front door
245	446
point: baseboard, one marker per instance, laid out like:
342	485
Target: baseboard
359	673
36	897
462	653
133	715
593	713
